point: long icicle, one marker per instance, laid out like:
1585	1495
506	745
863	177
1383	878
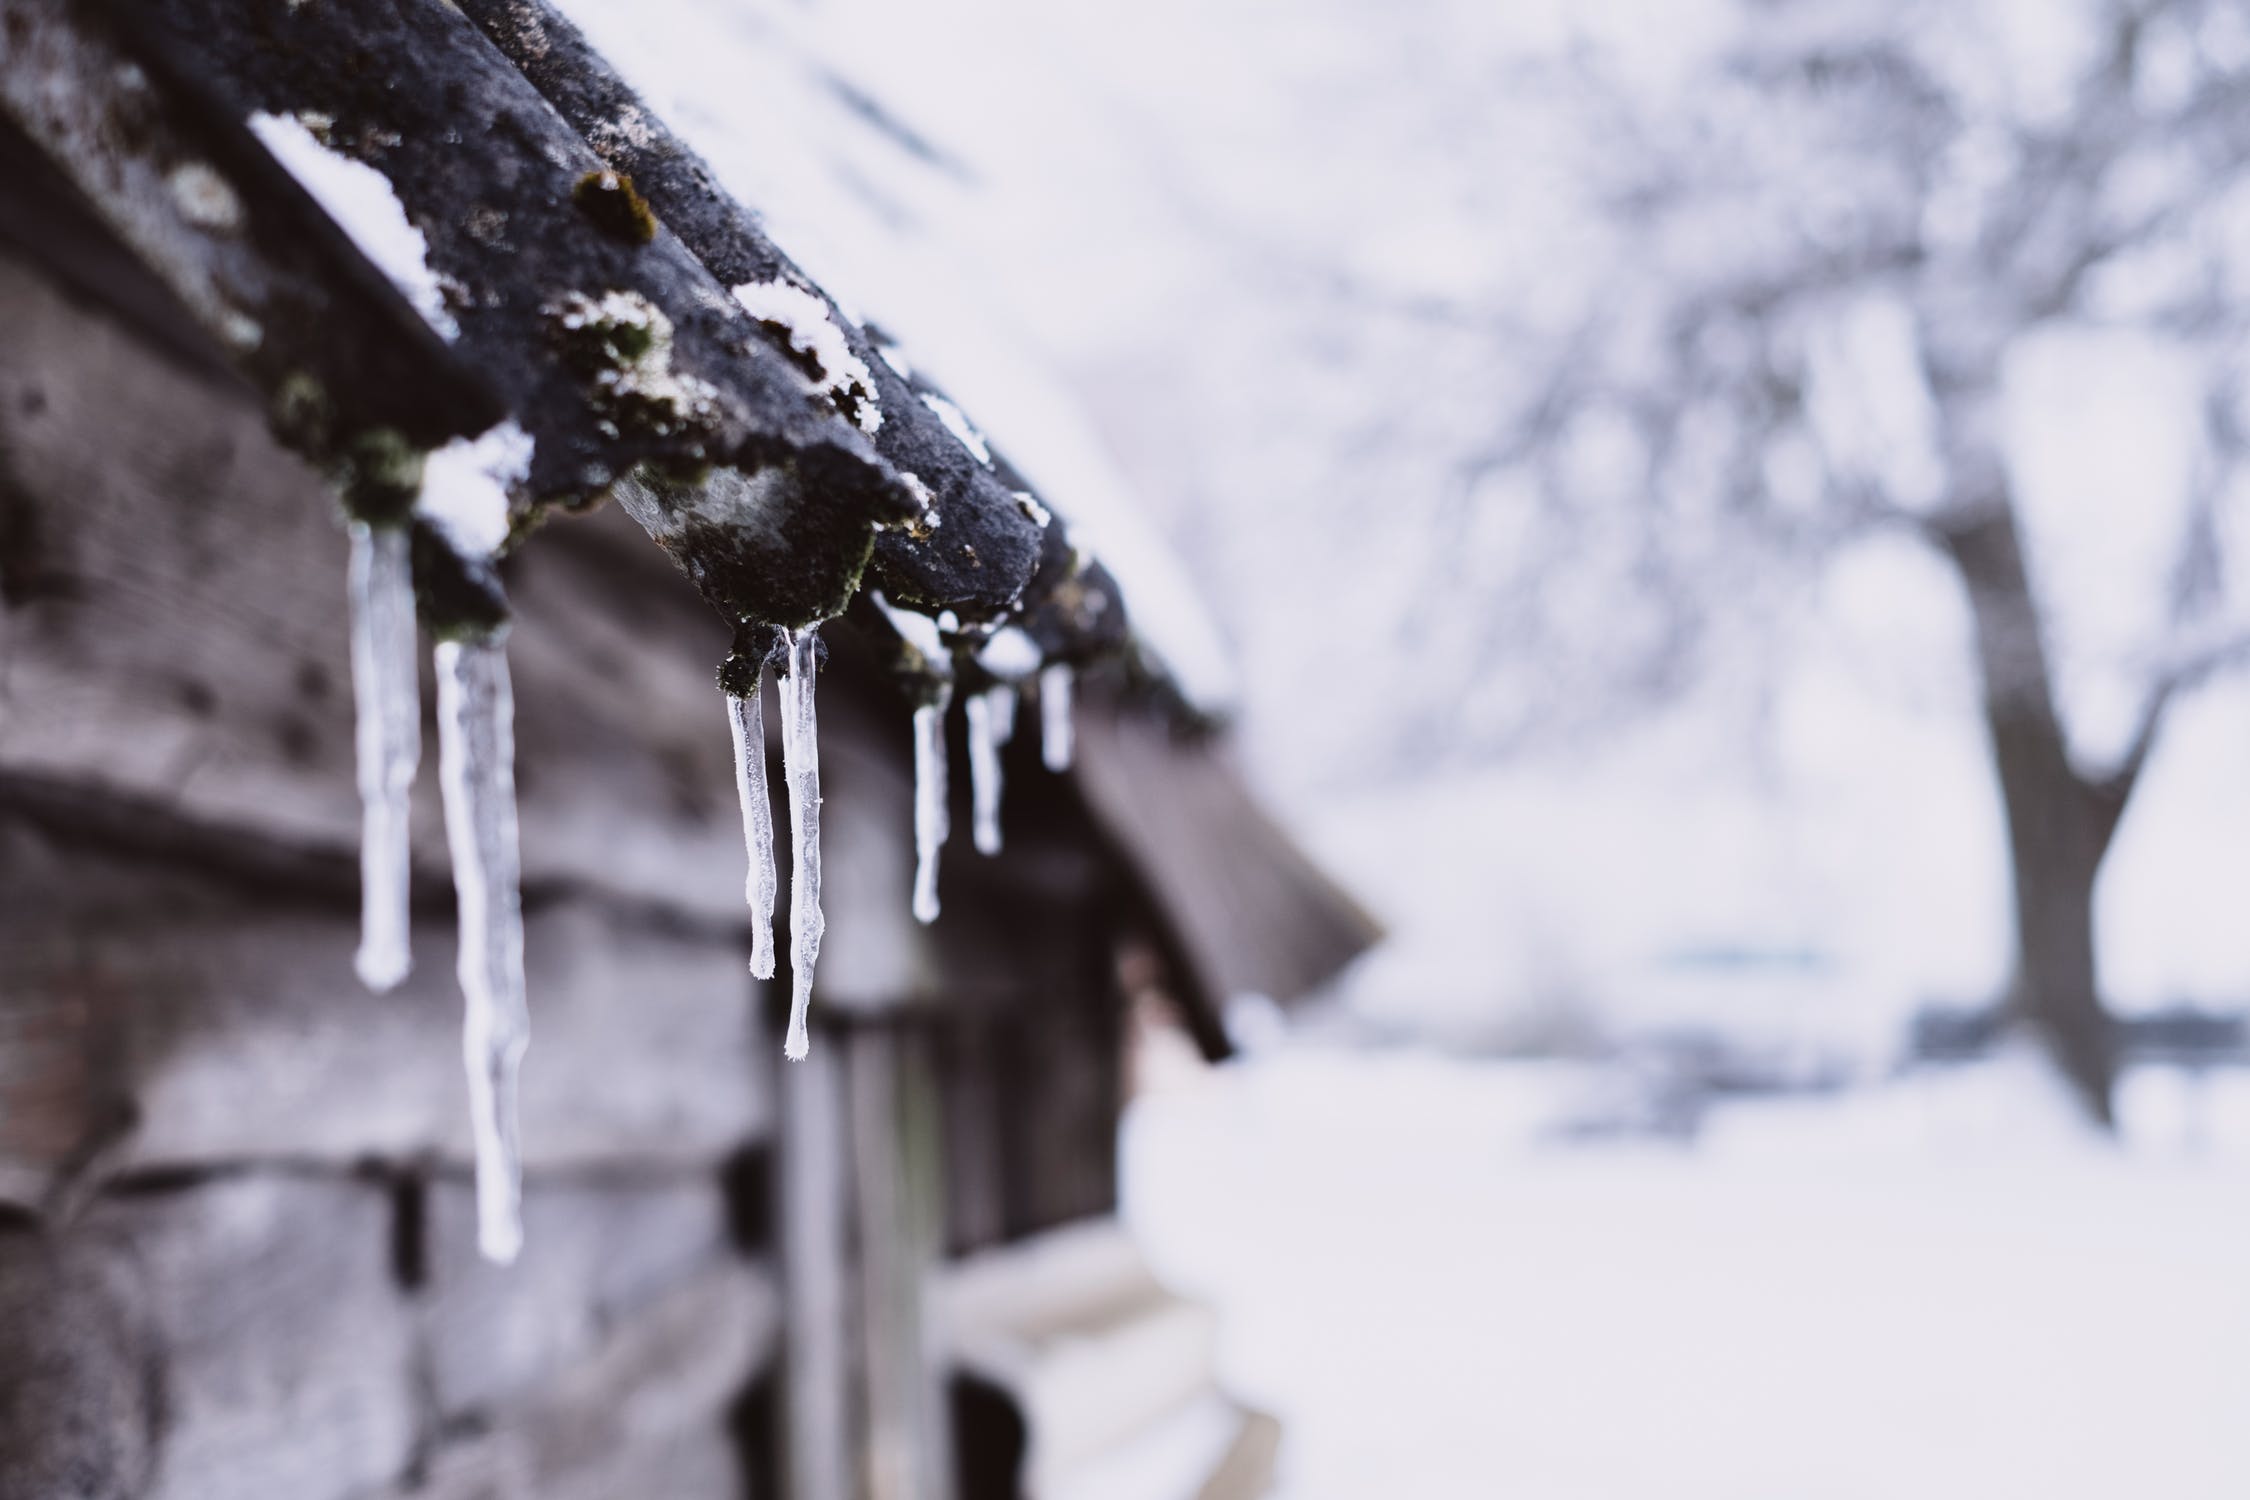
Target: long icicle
1054	717
387	695
476	772
747	718
800	761
989	721
931	822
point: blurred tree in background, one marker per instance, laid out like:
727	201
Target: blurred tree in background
1824	250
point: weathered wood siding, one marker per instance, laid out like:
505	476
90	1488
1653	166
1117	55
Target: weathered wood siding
236	1244
236	1250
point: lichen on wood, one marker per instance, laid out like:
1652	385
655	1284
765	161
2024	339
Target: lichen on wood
616	351
979	549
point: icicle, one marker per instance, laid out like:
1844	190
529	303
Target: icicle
1054	717
747	718
931	824
387	694
990	722
800	761
476	771
1003	696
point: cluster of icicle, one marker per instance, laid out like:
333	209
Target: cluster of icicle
800	759
476	765
991	719
992	723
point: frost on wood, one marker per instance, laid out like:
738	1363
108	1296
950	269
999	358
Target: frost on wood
1054	717
800	761
747	718
387	697
623	344
362	202
476	772
930	820
819	345
992	715
957	422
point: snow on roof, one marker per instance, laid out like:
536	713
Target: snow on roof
361	201
465	487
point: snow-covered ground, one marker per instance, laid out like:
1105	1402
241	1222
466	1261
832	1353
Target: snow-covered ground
1942	1287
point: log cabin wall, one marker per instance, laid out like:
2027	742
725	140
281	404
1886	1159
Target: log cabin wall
236	1229
238	1257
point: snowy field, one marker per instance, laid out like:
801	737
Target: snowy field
1937	1288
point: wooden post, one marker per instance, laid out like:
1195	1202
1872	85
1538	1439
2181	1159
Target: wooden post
816	1287
862	1202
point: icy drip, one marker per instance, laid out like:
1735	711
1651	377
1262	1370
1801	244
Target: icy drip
990	722
931	824
1054	717
747	718
800	762
476	772
1003	698
387	694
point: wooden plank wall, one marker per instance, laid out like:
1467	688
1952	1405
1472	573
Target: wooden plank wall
236	1236
235	1239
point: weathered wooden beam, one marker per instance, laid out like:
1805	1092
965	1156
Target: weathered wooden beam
336	350
998	549
615	348
981	550
1238	904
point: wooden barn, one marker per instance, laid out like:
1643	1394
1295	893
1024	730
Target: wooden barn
240	1207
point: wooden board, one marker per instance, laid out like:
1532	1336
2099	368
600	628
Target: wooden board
155	1020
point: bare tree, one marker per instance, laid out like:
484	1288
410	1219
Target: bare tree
1865	198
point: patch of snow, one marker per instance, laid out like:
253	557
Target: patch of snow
844	377
205	198
361	201
929	519
465	486
1439	1297
645	382
958	423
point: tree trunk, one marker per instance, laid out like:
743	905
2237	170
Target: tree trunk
2059	822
